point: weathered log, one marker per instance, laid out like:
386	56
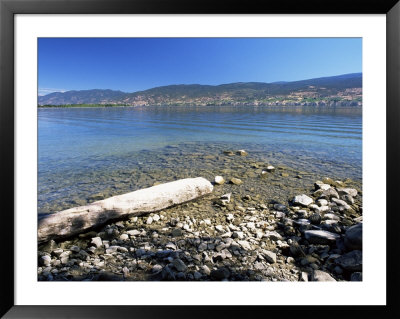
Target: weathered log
78	219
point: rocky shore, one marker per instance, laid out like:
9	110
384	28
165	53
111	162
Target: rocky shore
232	234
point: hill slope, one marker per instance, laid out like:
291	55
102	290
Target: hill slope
335	90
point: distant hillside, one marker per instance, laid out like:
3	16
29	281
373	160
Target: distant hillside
328	91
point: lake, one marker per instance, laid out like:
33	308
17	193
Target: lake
85	154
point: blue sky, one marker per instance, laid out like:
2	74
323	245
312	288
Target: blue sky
133	64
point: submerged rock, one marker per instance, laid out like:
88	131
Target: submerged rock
236	181
219	180
242	153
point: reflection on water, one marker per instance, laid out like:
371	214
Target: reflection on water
84	151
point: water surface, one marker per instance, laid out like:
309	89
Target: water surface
88	153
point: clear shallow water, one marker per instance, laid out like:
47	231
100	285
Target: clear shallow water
84	151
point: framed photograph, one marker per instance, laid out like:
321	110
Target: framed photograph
161	155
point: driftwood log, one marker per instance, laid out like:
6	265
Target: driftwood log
79	219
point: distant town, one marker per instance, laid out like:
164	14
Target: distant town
343	90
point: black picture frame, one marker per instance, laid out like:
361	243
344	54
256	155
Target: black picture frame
8	8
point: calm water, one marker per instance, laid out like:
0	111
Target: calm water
84	151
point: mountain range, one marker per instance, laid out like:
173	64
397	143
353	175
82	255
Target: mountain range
341	90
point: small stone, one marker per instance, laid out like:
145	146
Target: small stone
303	276
331	217
133	232
269	256
356	276
259	266
321	237
238	234
111	249
124	237
170	246
125	271
149	220
303	200
264	173
296	250
197	275
315	219
353	237
241	153
57	252
179	265
97	242
177	232
203	246
45	260
156	268
219	228
319	275
236	181
270	168
322	202
229	153
273	235
351	261
219	180
347	191
206	270
156	217
220	274
75	249
245	244
340	202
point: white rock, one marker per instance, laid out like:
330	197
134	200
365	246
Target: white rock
245	244
241	152
46	260
156	218
124	237
206	270
302	200
219	228
269	256
219	180
270	168
331	216
133	232
97	241
347	191
273	235
149	220
319	275
238	234
322	202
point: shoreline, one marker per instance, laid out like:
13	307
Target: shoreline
243	236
